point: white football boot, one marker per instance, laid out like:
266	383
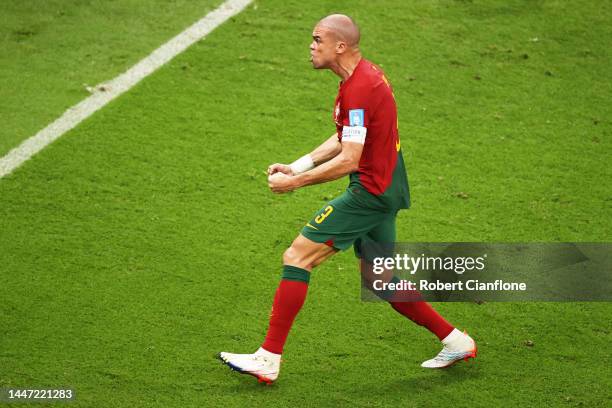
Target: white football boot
457	346
261	364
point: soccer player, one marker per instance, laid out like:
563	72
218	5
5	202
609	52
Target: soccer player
366	147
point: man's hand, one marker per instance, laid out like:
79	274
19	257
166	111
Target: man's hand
280	168
280	182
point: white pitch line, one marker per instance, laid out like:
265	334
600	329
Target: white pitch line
81	111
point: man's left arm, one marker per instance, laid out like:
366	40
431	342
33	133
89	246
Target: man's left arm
346	162
358	108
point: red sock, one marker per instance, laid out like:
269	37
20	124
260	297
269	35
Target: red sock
288	301
424	315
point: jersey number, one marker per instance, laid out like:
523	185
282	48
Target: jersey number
321	217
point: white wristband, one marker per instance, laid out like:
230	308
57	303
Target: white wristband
302	164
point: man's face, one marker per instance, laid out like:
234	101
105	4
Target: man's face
322	48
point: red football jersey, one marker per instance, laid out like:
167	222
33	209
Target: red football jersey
365	100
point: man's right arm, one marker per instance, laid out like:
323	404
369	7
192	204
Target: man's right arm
323	153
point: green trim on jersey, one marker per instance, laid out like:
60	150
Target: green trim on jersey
397	194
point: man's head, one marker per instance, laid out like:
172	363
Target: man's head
334	37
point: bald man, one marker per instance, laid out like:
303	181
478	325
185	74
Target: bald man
366	147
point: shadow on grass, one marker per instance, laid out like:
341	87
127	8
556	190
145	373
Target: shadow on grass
246	384
428	379
343	384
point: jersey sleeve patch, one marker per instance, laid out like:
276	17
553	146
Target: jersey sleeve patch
354	134
356	117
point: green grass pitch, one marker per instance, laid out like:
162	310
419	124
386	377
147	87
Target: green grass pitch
145	241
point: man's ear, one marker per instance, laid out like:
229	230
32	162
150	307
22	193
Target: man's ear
340	47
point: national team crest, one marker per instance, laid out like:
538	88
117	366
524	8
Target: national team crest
356	117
